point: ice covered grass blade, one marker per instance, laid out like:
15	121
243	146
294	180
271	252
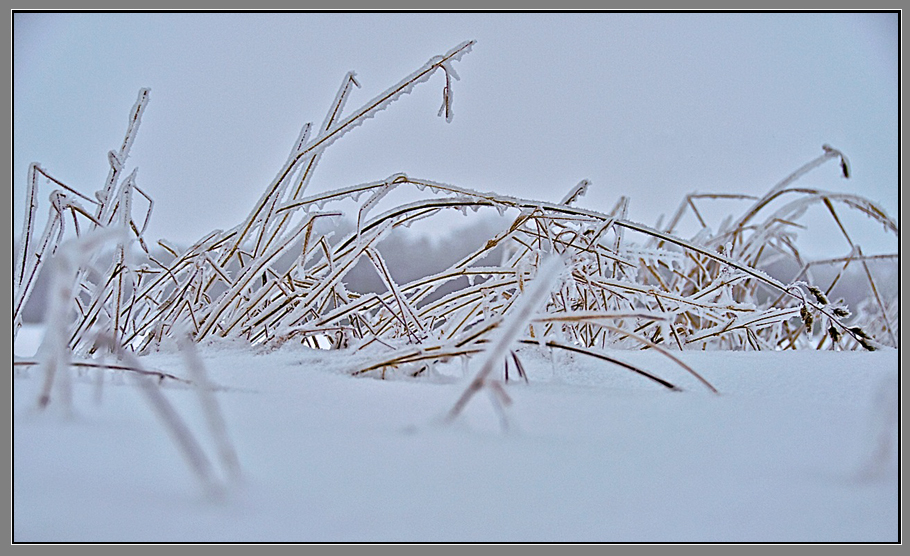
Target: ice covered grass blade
511	327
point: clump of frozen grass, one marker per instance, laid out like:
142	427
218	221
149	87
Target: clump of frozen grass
626	285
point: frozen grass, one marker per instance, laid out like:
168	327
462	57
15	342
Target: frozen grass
621	285
706	292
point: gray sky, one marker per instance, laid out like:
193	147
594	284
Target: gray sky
650	106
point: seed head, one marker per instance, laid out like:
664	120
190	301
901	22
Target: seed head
819	295
806	316
841	312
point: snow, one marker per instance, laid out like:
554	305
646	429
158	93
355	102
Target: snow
592	453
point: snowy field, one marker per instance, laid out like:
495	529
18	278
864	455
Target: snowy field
798	447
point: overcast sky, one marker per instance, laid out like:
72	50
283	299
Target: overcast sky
650	106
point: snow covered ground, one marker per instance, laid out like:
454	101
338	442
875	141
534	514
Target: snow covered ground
798	447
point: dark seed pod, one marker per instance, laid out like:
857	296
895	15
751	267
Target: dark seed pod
806	316
819	295
858	332
834	333
841	312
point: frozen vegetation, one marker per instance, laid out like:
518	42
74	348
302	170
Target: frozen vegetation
636	383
